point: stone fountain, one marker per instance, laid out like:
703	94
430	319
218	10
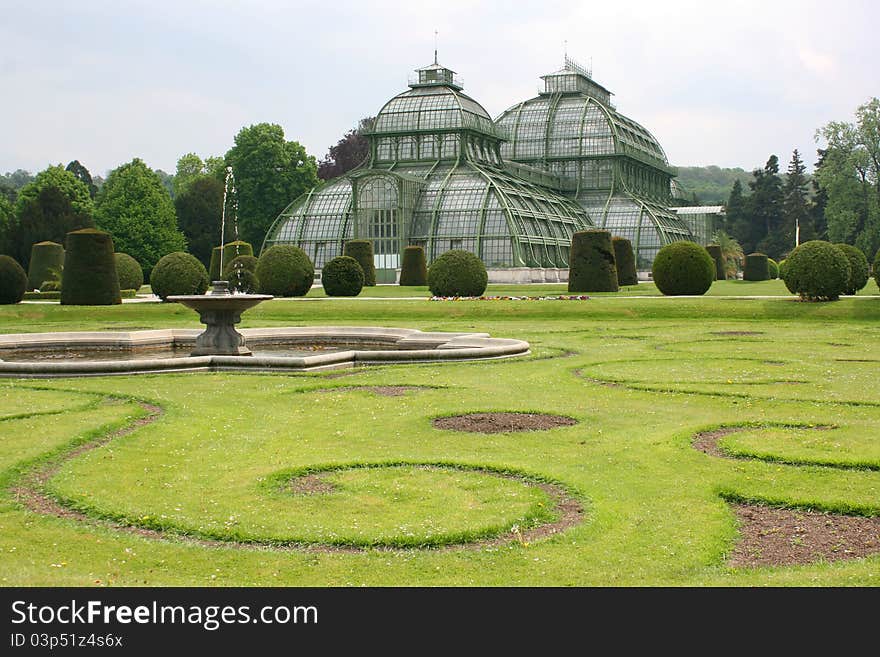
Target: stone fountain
219	309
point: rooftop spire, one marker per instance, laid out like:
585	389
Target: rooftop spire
435	46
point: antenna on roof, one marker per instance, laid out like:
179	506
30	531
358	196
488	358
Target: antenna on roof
435	46
565	48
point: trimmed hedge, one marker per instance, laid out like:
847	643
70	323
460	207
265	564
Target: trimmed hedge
362	251
592	267
47	261
285	270
625	259
129	271
683	268
51	286
89	277
782	269
243	281
858	268
756	267
178	273
342	277
55	295
714	251
772	269
13	280
457	273
414	270
231	251
817	271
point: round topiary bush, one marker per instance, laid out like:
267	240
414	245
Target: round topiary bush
414	270
781	269
285	270
457	273
89	277
625	259
242	280
13	281
683	268
248	262
47	261
362	251
858	268
756	267
178	273
817	271
129	271
592	267
772	269
342	277
714	251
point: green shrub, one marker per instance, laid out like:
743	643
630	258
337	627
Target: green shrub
130	272
362	251
248	262
592	267
47	261
231	251
242	280
782	269
772	269
714	251
858	268
414	270
89	277
178	273
51	286
625	259
285	270
756	267
817	271
128	294
13	280
342	277
457	273
683	268
877	268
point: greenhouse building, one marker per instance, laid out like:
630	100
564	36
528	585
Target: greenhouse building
443	175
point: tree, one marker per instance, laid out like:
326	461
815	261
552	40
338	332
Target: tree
765	205
269	173
18	178
82	174
349	152
57	176
6	219
199	210
736	212
820	202
731	252
48	217
167	181
850	175
795	206
135	208
189	167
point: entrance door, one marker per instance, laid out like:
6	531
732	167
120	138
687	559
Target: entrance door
386	245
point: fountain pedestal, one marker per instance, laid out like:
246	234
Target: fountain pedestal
220	311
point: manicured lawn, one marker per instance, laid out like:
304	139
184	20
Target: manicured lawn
212	483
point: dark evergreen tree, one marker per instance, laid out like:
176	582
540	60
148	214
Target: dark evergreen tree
795	207
199	210
737	222
765	205
820	201
48	217
82	174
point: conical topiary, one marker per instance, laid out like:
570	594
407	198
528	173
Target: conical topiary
592	267
89	277
414	270
715	251
47	261
362	251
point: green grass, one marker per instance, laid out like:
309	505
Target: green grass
640	375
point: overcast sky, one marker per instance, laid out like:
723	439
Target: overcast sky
104	81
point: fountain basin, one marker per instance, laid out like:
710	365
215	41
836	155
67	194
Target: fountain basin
351	346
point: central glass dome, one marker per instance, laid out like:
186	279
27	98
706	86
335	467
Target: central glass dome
436	178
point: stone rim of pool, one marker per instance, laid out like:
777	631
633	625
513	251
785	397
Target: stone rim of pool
403	346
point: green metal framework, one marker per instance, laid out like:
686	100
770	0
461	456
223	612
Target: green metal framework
436	178
615	168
